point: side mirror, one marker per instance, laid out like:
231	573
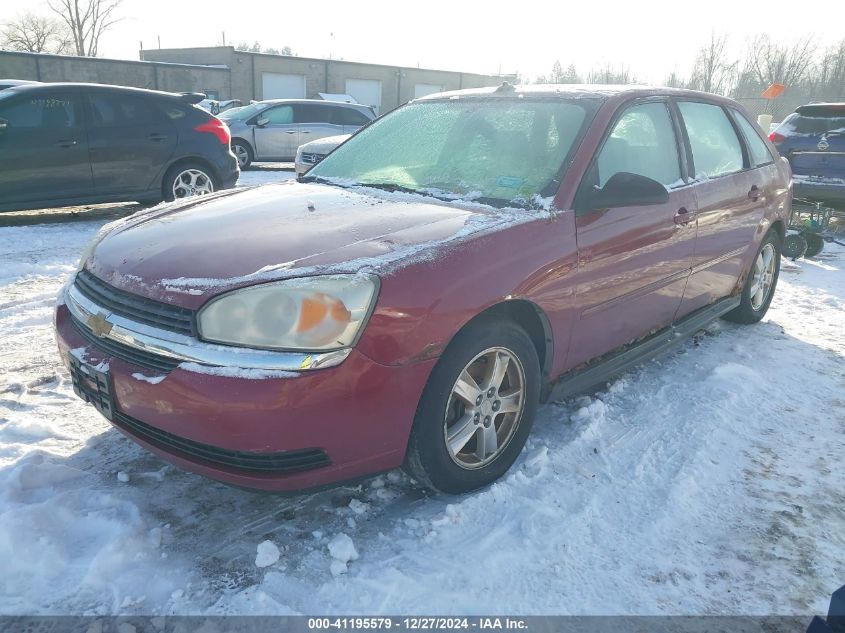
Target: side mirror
262	121
624	189
3	125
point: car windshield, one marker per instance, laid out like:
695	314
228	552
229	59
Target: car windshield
501	151
242	113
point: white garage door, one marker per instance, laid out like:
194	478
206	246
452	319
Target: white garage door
365	91
421	90
278	86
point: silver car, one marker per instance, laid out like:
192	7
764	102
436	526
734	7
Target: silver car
311	153
274	130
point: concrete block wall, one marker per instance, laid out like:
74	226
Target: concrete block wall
231	73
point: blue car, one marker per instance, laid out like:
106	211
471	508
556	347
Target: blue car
813	140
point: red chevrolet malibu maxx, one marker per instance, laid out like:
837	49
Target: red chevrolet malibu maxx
449	267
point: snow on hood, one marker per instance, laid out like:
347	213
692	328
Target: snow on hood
186	253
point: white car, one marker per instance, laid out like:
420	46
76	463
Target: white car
312	153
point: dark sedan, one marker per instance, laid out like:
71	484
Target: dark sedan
67	144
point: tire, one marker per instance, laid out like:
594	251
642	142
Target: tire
190	178
243	152
752	308
815	244
476	351
794	246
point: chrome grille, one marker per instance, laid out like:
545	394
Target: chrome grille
135	307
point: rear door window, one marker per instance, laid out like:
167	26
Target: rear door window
716	150
759	153
348	116
111	109
642	142
311	113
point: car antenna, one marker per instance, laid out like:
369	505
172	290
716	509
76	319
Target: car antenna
505	87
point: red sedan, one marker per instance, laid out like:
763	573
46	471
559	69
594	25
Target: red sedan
427	285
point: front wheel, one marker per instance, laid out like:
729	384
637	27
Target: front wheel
186	180
477	409
761	282
243	153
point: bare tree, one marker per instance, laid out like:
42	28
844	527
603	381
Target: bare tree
828	75
32	33
713	72
773	63
87	20
256	47
609	75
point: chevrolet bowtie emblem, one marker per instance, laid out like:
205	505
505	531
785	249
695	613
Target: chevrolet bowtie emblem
98	325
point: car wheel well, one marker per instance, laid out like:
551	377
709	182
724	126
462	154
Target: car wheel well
780	228
531	318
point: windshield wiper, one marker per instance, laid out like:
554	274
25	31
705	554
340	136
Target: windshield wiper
322	181
391	187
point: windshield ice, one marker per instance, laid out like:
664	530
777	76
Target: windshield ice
496	150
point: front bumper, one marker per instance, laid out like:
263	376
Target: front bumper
331	424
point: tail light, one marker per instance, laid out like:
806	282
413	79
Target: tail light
218	128
776	138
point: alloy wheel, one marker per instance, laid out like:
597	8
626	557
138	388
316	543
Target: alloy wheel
484	408
242	154
762	276
192	182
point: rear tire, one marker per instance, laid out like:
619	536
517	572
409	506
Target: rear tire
761	283
187	179
243	152
476	410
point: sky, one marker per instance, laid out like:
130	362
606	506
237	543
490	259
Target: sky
650	37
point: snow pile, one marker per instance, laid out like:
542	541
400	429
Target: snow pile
342	550
267	554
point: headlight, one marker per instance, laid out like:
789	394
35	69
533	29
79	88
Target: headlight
308	313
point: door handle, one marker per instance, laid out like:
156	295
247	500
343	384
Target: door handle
158	137
754	193
305	131
682	216
65	143
290	131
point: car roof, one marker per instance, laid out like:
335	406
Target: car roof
313	101
41	87
570	91
16	82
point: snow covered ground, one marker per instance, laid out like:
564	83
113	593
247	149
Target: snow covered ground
708	482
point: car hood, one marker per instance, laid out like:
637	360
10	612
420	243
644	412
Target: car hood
186	253
324	145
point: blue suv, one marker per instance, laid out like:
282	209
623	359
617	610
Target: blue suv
813	140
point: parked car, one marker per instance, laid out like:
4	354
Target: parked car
63	144
813	140
452	265
11	83
274	130
312	153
